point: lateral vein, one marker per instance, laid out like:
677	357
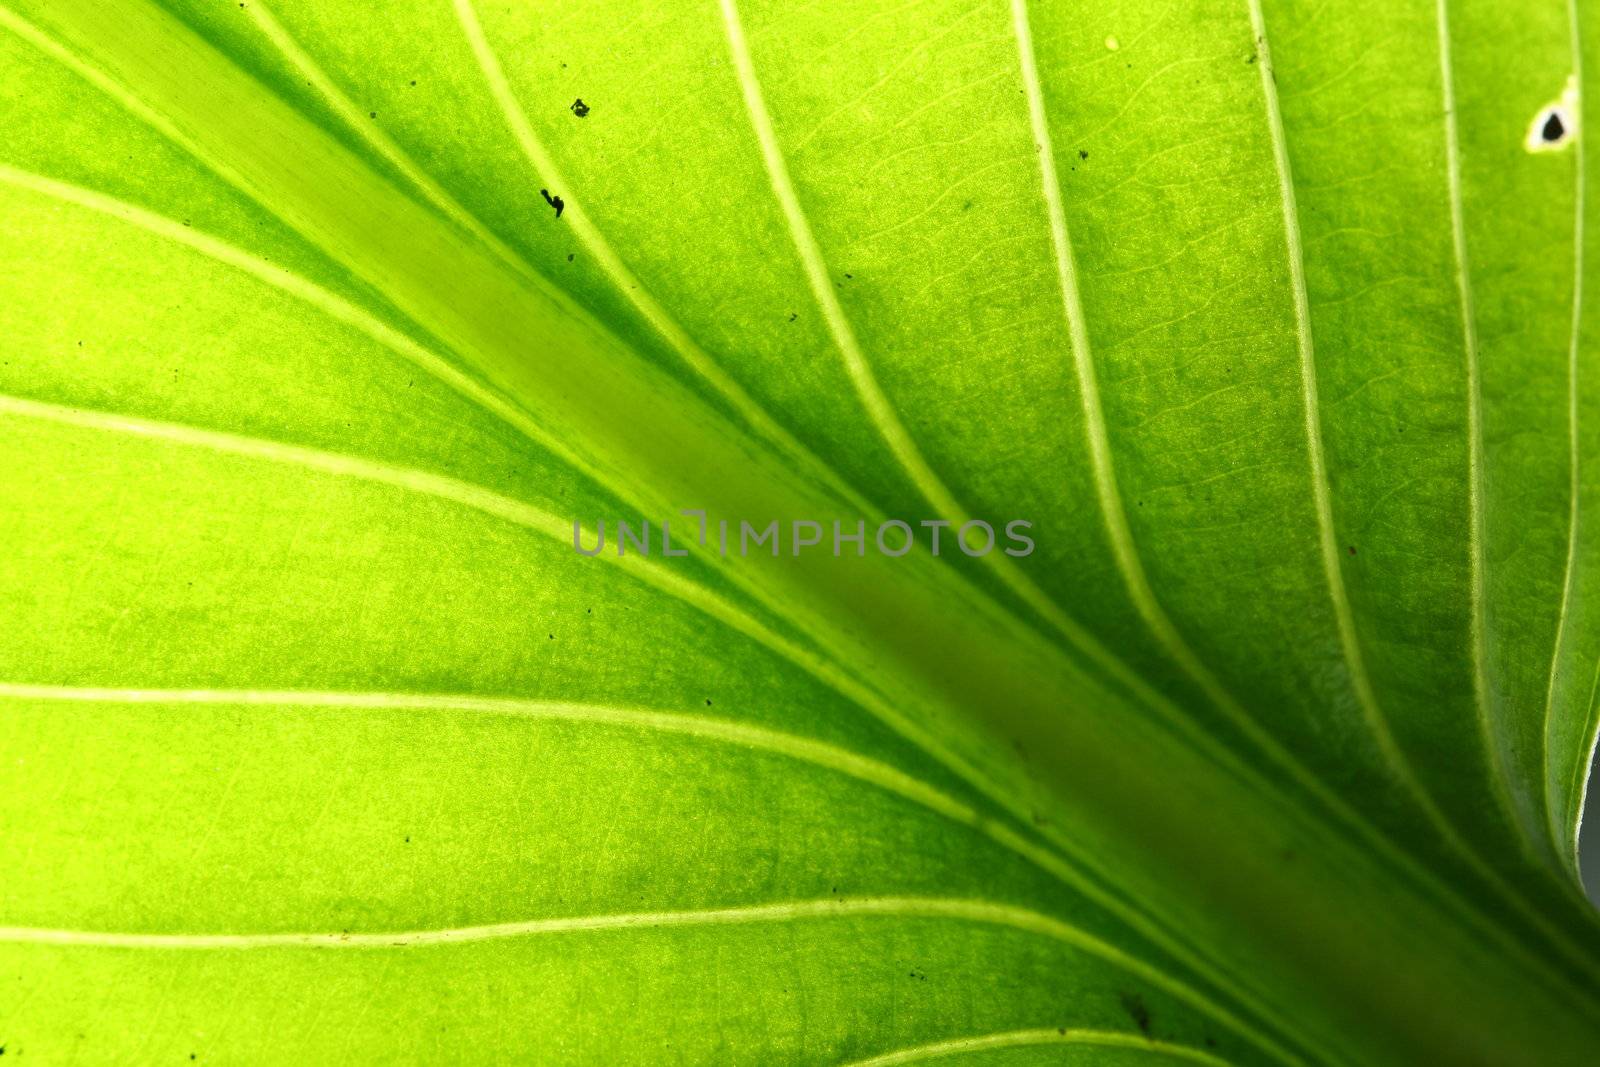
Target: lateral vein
1114	515
1478	624
1574	458
958	1046
1327	543
980	912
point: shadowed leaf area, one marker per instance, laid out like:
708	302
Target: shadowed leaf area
323	322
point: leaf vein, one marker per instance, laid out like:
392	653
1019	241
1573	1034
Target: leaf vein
1029	1038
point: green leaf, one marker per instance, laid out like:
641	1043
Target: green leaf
325	322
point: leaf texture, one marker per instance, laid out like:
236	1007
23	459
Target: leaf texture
321	744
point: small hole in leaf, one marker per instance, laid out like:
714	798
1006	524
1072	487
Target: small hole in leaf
1555	124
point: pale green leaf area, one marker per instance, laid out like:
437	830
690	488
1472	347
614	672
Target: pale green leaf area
320	744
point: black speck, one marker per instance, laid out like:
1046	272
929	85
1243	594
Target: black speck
552	637
554	201
372	114
1133	1004
1553	129
1082	154
1352	550
579	108
569	256
708	702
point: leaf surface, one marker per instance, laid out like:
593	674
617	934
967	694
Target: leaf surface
323	745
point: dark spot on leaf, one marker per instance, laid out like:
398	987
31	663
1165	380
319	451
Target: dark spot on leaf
1133	1004
1082	154
554	201
579	108
793	316
569	256
1352	550
372	114
708	702
1553	129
